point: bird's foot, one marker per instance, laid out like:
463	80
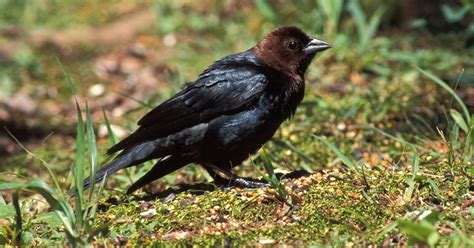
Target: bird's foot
223	183
251	183
241	183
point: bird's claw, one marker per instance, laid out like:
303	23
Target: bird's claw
253	184
240	182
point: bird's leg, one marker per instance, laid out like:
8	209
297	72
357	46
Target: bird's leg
233	180
218	179
249	182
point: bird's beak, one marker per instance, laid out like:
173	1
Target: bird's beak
315	46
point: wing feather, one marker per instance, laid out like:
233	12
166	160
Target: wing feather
221	89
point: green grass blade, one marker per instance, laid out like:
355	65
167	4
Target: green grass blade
387	229
99	192
79	165
411	182
400	140
421	231
457	117
301	154
110	132
141	103
266	10
18	220
91	144
434	187
267	164
445	86
68	225
79	160
263	175
271	177
43	163
372	28
54	198
453	15
470	142
360	20
332	9
339	154
68	78
366	29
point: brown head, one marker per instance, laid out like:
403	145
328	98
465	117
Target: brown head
289	50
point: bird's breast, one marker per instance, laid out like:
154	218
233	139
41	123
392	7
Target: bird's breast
232	138
285	100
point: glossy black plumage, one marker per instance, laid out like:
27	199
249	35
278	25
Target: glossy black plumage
218	120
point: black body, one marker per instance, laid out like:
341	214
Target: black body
228	113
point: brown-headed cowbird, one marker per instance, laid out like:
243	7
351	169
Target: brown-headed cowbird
228	113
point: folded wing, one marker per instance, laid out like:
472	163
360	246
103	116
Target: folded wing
226	87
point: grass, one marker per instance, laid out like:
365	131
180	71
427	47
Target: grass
390	145
77	217
333	206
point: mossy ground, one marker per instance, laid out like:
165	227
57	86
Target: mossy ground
374	106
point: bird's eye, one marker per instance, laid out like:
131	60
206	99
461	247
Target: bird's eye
292	45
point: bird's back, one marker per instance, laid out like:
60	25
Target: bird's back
230	85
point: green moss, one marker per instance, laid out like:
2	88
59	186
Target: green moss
354	101
333	205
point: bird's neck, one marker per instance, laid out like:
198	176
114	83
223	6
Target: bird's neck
289	89
290	82
287	76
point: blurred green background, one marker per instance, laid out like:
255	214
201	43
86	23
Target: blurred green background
364	94
144	49
127	56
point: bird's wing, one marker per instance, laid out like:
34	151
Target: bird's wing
218	90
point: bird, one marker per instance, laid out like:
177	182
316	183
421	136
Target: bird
225	115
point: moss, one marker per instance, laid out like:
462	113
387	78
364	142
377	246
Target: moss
368	110
333	205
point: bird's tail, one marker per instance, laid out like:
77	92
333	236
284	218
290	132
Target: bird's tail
127	158
106	171
162	168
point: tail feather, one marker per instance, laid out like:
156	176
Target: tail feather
158	148
160	169
127	158
109	169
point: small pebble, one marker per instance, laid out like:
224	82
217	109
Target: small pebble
170	40
96	90
266	241
148	214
